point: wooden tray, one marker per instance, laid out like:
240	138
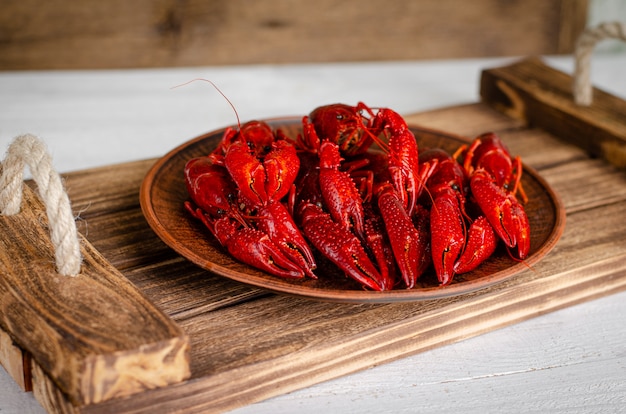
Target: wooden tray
248	344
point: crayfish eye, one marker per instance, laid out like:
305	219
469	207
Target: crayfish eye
455	187
339	117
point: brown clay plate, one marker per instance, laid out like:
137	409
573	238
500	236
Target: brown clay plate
163	193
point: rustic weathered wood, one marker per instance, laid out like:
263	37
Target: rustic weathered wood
51	398
542	96
15	361
95	335
148	33
248	345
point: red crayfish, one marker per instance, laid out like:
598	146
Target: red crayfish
373	221
237	191
353	187
495	180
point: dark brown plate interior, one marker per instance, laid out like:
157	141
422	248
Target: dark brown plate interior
163	193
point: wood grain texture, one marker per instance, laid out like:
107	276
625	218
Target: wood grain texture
490	373
542	97
15	361
248	345
151	33
49	395
95	334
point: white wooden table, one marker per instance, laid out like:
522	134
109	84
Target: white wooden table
573	360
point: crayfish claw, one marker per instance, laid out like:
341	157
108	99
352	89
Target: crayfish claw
495	180
481	243
340	246
409	246
340	194
447	187
448	236
503	211
378	243
521	227
255	248
275	221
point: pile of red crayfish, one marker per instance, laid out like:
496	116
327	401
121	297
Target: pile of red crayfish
353	188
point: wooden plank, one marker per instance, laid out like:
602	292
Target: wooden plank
478	118
95	334
474	119
148	33
542	96
575	14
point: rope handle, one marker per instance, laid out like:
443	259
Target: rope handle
584	47
28	149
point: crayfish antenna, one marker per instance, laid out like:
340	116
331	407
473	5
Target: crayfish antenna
384	146
218	90
518	260
428	168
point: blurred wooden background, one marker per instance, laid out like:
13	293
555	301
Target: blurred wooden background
87	34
